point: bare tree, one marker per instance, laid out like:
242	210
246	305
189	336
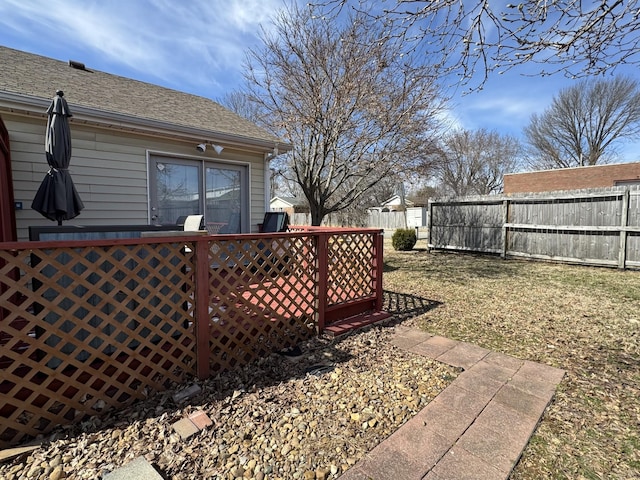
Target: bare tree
239	102
354	110
420	196
474	162
381	192
473	37
584	124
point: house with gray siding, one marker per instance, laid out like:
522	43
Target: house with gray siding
134	159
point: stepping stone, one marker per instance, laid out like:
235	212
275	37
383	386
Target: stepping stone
138	469
191	425
185	428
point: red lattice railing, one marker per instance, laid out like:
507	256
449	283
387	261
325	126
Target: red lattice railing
89	326
261	297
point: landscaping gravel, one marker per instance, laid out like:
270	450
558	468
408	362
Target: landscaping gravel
306	417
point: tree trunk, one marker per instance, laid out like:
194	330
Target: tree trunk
316	216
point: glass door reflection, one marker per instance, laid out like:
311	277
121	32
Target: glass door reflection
223	199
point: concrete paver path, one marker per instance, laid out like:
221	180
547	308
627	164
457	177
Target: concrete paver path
476	428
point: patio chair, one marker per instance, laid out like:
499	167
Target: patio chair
233	226
191	223
275	222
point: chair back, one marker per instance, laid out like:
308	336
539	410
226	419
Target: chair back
275	222
193	223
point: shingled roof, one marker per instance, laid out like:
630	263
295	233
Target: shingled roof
30	77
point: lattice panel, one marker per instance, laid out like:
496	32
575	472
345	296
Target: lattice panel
262	297
350	267
88	329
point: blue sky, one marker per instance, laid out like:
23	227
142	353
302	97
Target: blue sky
198	46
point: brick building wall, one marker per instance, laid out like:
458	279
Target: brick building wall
573	178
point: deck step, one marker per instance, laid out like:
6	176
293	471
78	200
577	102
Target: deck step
342	327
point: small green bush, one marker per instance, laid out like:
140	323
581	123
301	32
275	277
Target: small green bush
404	239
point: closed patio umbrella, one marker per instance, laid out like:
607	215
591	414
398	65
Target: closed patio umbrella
57	198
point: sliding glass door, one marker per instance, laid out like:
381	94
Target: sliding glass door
223	202
218	191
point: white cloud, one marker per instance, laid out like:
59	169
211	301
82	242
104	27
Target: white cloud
70	22
245	15
450	120
195	43
505	106
505	114
506	103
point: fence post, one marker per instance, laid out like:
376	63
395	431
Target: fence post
322	251
624	220
201	292
429	221
505	230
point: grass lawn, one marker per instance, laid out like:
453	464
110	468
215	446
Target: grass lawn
585	320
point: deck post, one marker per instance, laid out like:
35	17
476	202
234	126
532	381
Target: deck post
202	307
378	252
322	251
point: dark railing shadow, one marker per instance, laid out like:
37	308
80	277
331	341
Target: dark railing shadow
404	306
386	267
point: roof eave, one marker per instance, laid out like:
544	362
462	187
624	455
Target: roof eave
30	105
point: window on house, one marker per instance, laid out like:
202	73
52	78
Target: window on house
217	190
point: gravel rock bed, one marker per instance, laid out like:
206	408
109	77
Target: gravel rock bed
309	417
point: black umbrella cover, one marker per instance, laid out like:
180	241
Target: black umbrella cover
57	198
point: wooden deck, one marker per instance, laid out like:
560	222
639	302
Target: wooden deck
89	326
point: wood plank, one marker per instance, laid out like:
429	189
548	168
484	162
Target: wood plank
11	453
584	261
574	228
622	249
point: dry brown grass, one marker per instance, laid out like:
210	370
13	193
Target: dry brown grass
584	320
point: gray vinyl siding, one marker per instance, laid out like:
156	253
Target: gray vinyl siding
257	191
109	170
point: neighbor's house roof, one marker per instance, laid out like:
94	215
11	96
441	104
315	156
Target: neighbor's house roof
28	82
396	200
291	201
574	178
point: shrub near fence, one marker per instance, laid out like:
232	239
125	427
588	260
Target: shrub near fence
88	326
595	227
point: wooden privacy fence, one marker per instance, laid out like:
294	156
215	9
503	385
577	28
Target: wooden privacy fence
412	217
89	326
595	227
387	220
